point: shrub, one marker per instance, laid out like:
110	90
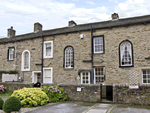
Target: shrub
31	97
55	93
1	103
2	89
12	104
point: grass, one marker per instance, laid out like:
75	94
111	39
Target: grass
6	94
86	104
133	106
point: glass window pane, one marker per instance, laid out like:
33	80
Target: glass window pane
48	73
47	80
26	60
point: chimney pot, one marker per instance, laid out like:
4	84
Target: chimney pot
115	16
37	27
71	23
11	32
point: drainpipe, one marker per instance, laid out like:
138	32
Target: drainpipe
42	58
91	55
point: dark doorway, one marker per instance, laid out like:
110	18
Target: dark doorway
109	93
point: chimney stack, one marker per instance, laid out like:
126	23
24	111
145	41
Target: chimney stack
115	16
11	32
37	27
71	23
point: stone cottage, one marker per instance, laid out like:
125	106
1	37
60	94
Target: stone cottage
112	52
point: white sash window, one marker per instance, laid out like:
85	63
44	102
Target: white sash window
48	49
99	74
98	45
146	77
11	53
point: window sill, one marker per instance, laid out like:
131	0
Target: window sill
98	53
68	68
10	60
25	70
48	57
126	66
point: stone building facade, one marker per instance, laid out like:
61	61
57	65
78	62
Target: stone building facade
113	52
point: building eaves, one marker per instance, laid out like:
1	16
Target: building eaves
82	27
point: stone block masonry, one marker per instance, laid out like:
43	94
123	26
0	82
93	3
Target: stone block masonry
91	93
124	95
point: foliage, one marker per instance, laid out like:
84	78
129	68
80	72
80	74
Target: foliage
12	104
31	97
1	103
2	89
6	93
55	93
9	72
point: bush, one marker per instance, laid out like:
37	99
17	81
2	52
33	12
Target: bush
31	97
55	93
2	89
12	104
1	103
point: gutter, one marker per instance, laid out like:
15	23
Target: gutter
91	55
42	57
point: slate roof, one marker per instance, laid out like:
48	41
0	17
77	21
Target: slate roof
82	27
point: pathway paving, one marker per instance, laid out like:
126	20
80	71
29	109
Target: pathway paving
100	108
130	110
61	108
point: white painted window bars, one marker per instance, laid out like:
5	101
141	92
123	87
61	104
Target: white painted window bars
85	77
69	57
126	53
146	77
98	45
98	75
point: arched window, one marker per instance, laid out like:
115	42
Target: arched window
25	60
126	53
69	57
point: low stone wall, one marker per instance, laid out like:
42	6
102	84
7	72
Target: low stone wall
89	93
14	86
124	95
103	92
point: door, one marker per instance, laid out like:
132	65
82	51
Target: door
109	93
36	76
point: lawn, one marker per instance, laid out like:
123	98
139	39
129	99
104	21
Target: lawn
6	94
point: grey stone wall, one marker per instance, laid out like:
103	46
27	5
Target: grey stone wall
89	93
15	86
124	95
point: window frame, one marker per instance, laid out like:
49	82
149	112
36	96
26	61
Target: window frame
103	73
22	64
146	75
100	52
132	57
8	54
44	53
65	57
49	68
89	74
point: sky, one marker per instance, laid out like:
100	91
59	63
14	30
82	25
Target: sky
22	14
